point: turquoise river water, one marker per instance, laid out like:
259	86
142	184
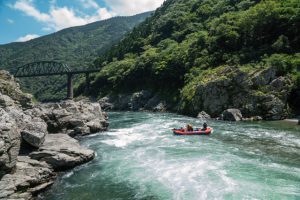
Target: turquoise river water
140	158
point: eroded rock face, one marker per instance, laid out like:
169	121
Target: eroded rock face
29	178
138	101
61	152
259	93
9	142
32	128
10	87
74	118
20	176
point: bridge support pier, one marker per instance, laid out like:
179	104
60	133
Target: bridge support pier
70	87
87	83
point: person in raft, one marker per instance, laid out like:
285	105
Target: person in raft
204	126
189	127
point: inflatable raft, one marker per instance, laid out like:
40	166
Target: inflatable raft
196	131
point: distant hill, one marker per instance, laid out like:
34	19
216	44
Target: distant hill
77	46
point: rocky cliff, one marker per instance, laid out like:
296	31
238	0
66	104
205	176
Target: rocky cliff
257	92
36	139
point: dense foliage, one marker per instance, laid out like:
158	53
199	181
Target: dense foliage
170	50
76	46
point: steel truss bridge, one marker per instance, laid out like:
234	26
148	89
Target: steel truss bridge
52	68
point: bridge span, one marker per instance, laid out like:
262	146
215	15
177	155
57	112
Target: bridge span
52	68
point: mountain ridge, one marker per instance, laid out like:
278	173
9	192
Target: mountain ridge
75	46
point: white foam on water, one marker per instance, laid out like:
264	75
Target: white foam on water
150	159
68	174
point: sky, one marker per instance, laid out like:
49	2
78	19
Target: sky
23	20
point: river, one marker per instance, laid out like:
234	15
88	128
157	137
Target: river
140	158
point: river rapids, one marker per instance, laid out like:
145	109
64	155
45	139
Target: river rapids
140	158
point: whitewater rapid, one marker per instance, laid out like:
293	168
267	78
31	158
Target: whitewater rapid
140	158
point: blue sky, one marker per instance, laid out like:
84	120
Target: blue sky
22	20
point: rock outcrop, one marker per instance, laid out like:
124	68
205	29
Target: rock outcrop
138	101
61	151
29	156
74	118
203	115
9	142
259	92
30	177
10	87
232	115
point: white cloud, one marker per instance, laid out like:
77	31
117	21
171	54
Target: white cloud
131	7
27	37
47	29
61	17
89	4
27	7
58	18
10	21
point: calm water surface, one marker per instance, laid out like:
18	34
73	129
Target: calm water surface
140	158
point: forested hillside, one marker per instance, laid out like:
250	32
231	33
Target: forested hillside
76	46
210	55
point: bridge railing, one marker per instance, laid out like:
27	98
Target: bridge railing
42	68
50	68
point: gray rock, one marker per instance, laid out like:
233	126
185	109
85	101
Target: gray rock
74	118
254	118
9	142
264	77
30	177
35	139
203	115
140	99
95	125
62	152
156	104
105	104
10	87
232	115
258	93
6	101
161	107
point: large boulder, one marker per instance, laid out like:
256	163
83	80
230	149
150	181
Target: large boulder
203	115
62	152
232	115
35	139
9	142
105	104
74	118
29	178
33	129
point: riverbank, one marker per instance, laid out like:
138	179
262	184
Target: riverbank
38	140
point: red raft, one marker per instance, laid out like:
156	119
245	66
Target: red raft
196	131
